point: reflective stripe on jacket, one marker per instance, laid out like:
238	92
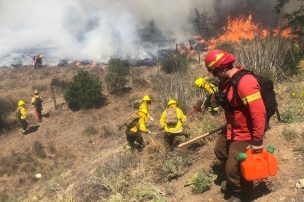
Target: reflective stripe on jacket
246	121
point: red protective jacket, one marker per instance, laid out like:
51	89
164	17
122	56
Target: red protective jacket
247	120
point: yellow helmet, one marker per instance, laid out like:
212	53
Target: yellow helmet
146	98
36	92
171	102
200	82
40	55
21	103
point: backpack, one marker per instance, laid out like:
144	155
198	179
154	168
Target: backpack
171	116
133	121
38	103
137	104
267	93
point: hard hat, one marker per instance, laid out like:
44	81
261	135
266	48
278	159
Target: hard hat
21	103
171	102
217	59
36	92
41	56
146	98
200	82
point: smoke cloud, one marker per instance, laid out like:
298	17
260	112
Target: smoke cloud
99	29
92	29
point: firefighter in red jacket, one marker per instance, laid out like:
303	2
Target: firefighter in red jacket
245	118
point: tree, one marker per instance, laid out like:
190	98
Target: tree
296	18
84	92
116	77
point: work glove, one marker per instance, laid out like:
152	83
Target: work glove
256	145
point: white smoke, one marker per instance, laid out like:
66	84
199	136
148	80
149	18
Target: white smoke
91	29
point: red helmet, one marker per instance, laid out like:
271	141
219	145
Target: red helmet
218	59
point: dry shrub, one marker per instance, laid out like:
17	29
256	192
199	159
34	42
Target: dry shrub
176	165
272	57
7	106
93	189
108	131
15	162
39	87
178	86
90	130
38	149
112	179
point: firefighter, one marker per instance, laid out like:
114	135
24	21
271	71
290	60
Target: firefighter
245	118
209	102
37	59
136	127
21	116
171	121
146	102
37	103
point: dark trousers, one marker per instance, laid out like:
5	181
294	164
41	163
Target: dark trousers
38	114
23	124
170	139
227	153
133	137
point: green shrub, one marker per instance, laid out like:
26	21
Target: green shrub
175	62
7	106
148	192
116	77
175	166
84	92
200	182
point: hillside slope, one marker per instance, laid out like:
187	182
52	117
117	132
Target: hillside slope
81	156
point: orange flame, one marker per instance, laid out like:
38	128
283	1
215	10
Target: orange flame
242	28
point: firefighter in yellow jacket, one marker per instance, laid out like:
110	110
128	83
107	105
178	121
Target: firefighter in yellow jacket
145	106
37	103
21	115
171	121
134	132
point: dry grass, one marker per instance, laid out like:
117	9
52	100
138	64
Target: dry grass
178	86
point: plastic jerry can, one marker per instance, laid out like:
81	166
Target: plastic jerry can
272	161
255	166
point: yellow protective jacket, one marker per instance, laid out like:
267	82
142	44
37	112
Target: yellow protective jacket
179	126
22	112
34	99
144	107
143	119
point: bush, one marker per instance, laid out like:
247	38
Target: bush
175	62
180	87
272	57
84	92
148	192
175	166
7	106
116	77
289	134
200	182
